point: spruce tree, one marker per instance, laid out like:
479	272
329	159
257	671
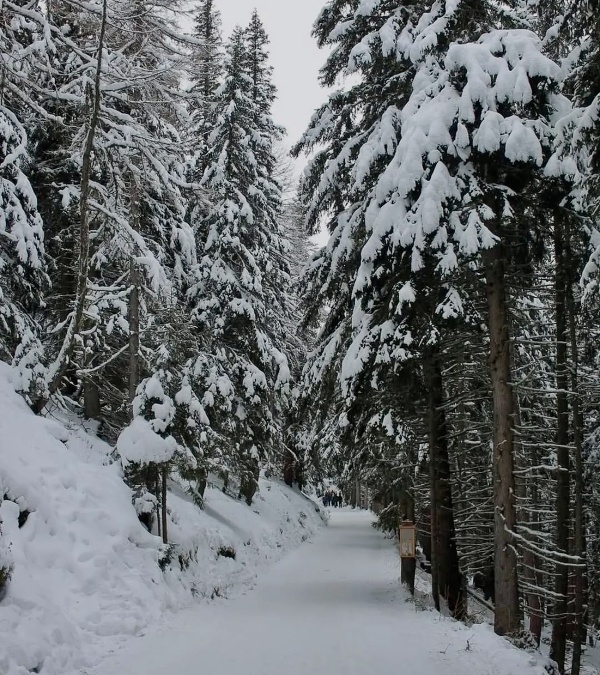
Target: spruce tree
421	195
451	191
205	72
234	299
24	279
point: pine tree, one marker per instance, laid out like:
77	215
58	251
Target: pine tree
349	144
24	279
360	129
239	277
55	171
207	66
459	210
206	71
420	196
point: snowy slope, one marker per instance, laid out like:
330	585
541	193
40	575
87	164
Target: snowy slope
335	606
85	574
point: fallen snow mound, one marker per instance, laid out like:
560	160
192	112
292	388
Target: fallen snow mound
85	573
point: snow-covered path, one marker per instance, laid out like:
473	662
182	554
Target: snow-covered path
333	606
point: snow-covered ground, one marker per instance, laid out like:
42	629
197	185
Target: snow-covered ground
88	597
85	575
333	606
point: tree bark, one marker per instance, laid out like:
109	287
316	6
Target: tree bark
135	223
201	483
91	399
354	493
446	577
532	574
288	467
506	619
558	645
249	481
528	496
580	600
163	492
134	331
157	492
408	566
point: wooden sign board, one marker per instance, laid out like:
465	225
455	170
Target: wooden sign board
407	540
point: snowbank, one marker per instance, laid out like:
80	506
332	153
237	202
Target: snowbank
85	571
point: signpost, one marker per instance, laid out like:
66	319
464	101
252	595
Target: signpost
406	539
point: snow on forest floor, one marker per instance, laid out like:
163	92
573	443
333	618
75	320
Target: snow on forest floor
333	606
85	577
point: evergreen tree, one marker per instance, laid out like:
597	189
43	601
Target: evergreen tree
140	245
24	277
235	301
207	66
55	167
430	195
206	71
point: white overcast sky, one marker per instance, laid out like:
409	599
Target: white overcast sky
295	56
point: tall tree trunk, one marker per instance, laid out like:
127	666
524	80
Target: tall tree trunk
354	497
528	497
201	483
289	462
558	645
157	492
135	223
579	619
446	576
408	566
532	574
91	398
506	618
134	330
163	492
62	362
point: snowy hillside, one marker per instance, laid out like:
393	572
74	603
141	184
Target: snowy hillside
85	572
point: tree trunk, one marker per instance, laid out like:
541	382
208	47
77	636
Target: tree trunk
408	566
506	619
532	574
446	577
135	223
249	481
201	483
433	505
354	495
134	331
91	398
157	492
531	520
300	473
558	645
163	493
134	297
289	462
580	600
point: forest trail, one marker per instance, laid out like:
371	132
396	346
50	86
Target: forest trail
334	607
